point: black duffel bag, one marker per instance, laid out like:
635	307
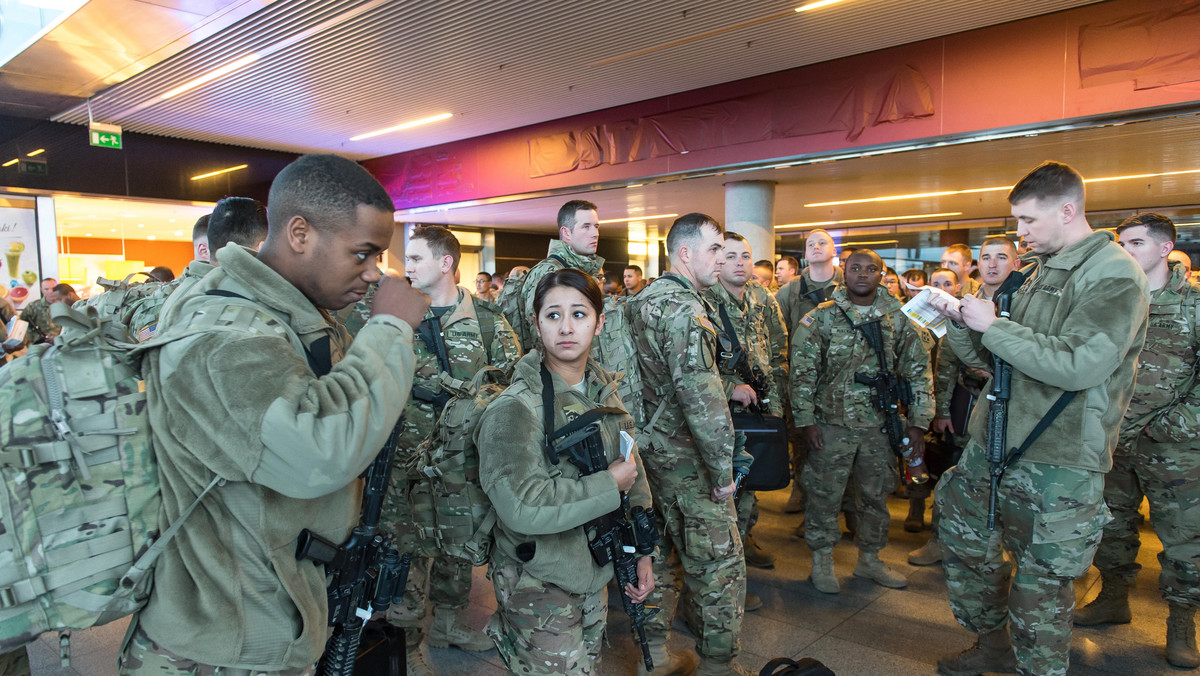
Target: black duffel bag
767	442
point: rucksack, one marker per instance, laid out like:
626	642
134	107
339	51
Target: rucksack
118	298
511	302
615	351
79	496
451	513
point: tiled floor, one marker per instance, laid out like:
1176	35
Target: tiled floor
865	630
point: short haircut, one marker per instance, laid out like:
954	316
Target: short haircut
792	262
49	279
999	240
889	271
1160	227
581	282
67	292
200	229
819	231
963	251
566	213
764	263
240	220
1050	180
488	275
441	242
687	228
635	268
729	234
949	272
916	275
162	273
325	190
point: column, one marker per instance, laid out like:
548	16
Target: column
750	212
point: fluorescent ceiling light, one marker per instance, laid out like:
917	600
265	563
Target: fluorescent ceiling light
212	75
817	224
638	218
817	5
10	162
35	153
1122	178
401	127
219	171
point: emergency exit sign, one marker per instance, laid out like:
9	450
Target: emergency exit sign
104	135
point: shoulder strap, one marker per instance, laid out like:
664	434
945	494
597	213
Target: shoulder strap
677	280
561	261
1059	404
570	428
487	323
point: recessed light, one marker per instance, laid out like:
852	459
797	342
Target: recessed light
141	225
150	237
220	171
112	229
89	234
212	75
128	215
35	153
10	162
170	220
179	233
816	5
638	218
404	125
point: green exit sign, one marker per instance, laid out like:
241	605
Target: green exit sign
104	135
33	168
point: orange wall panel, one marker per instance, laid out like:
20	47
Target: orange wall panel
174	255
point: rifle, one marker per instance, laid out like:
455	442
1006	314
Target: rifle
620	536
997	429
737	360
430	333
367	574
889	393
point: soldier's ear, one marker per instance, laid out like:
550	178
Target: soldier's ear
299	234
599	324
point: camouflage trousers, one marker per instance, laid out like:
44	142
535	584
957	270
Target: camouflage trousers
1168	474
142	656
14	663
855	454
448	580
705	535
747	513
1049	520
540	628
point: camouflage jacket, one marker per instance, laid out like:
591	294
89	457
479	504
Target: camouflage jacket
777	336
544	503
677	351
290	445
41	329
749	320
795	297
950	371
1077	324
592	265
1166	397
827	351
144	313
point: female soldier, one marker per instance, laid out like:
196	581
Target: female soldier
550	594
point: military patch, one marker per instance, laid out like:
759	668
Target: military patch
703	320
807	320
147	332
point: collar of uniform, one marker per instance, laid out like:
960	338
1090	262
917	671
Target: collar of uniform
838	277
599	381
722	295
1080	251
590	264
884	302
198	269
266	286
459	311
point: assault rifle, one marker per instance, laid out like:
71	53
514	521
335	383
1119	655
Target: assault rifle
736	359
367	574
888	393
621	536
997	429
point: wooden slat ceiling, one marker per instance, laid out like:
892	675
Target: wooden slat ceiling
331	69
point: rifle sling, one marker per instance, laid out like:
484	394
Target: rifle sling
880	353
570	428
1015	454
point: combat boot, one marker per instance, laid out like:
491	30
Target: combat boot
674	663
1181	637
795	501
915	521
851	518
927	555
870	567
822	576
755	556
800	529
1111	606
992	652
753	602
418	661
710	666
446	630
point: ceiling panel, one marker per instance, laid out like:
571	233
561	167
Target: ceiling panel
328	70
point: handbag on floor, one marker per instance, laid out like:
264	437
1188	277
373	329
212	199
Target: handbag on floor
785	666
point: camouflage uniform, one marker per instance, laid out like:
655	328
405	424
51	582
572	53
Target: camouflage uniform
41	329
827	352
448	578
14	663
688	451
143	656
143	314
1077	324
1157	452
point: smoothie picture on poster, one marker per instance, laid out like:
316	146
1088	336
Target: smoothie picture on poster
18	242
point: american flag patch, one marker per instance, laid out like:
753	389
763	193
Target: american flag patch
147	333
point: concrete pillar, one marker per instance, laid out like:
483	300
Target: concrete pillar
487	257
750	212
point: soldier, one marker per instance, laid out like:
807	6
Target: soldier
839	422
200	250
786	268
764	272
550	592
946	280
891	282
688	446
483	287
633	280
37	314
957	257
286	433
1156	452
750	316
952	378
1076	325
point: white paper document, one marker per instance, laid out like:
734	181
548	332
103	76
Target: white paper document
16	333
921	310
626	445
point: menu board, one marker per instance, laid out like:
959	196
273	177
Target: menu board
18	243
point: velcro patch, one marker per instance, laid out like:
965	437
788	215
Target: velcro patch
704	321
807	320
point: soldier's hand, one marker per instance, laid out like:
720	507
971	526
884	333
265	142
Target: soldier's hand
397	298
916	441
814	438
948	307
977	313
723	493
645	577
625	472
744	395
941	425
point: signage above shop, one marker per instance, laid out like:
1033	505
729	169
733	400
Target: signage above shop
104	135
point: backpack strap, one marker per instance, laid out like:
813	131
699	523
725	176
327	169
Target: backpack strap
570	428
485	313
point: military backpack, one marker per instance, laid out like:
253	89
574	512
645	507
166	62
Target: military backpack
512	303
79	491
117	300
451	513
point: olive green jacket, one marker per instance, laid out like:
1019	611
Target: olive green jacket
547	504
246	407
1078	324
794	299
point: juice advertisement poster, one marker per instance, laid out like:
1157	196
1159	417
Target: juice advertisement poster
18	243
